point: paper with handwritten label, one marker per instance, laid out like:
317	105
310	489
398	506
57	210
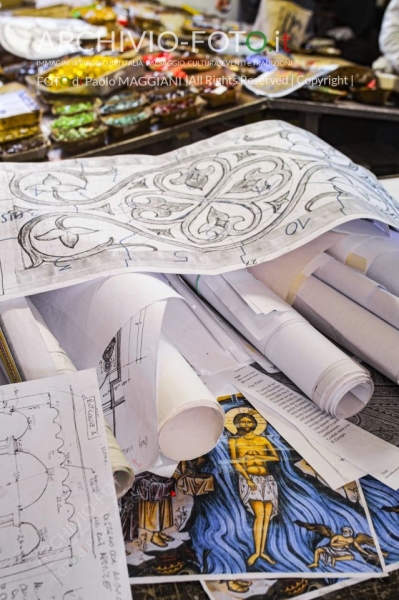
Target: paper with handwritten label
61	535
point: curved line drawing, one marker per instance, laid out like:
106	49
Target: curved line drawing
237	193
64	484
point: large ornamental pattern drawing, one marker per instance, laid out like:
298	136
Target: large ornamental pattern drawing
254	191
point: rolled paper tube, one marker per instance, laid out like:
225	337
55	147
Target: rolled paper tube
378	258
23	351
355	328
190	420
361	289
121	469
335	382
84	318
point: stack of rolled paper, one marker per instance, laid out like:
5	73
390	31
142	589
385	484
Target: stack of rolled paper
335	382
350	307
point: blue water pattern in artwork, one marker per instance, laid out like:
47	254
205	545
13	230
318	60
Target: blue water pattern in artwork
222	529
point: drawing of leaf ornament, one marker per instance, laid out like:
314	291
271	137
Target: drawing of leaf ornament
254	181
66	183
160	208
218	225
69	236
194	178
279	202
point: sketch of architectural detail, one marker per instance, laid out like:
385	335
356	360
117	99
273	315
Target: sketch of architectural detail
127	381
52	444
246	195
110	371
29	476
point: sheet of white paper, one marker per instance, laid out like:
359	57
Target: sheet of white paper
229	202
209	318
365	451
198	335
261	589
61	534
34	360
335	471
254	294
85	318
228	338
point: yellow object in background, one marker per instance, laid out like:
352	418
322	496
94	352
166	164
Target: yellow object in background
190	9
81	68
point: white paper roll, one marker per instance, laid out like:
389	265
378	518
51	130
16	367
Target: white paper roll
114	324
84	318
25	354
39	355
361	289
355	328
121	470
190	420
336	383
350	323
376	257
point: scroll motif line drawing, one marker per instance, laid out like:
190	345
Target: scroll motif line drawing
262	188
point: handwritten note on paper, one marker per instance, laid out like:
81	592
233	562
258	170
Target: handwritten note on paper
60	530
362	449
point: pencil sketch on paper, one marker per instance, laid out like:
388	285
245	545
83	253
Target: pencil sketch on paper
112	384
53	467
241	197
127	375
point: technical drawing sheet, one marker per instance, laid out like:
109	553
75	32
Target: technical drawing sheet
60	530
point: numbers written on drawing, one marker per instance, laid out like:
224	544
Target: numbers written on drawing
15	214
295	226
251	263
